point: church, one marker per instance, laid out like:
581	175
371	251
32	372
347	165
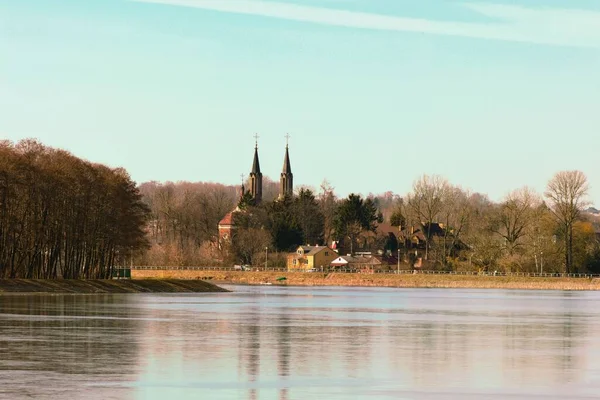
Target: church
286	188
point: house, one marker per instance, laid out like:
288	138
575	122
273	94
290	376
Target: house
383	239
342	262
364	263
355	262
413	242
311	257
412	238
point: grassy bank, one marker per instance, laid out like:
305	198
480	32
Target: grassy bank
107	286
401	281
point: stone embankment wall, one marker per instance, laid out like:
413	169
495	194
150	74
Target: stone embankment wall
106	286
377	280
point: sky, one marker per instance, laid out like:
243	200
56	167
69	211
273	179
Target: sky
492	95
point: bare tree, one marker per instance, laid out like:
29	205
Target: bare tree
567	193
184	220
515	216
250	242
328	205
426	201
457	211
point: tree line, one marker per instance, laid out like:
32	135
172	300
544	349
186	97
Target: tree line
61	216
525	232
183	227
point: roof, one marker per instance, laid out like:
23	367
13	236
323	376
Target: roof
417	233
383	229
287	167
356	260
312	250
255	163
435	229
227	219
348	259
388	260
387	228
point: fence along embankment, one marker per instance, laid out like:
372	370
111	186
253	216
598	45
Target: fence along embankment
402	280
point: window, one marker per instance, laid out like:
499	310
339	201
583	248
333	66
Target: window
294	261
326	254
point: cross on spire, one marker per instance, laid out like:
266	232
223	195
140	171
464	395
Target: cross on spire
256	140
287	139
242	188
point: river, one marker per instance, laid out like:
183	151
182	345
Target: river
271	342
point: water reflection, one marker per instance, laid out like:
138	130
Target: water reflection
301	343
44	339
283	353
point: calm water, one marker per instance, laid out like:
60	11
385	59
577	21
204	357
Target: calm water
302	343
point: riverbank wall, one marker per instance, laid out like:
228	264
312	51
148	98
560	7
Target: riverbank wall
107	286
373	280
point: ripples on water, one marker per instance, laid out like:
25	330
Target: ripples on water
302	343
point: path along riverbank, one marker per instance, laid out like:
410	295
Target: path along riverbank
107	286
375	280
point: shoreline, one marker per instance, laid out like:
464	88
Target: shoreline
186	281
374	280
99	286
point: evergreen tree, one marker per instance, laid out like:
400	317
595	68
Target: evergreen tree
355	216
246	201
309	217
283	224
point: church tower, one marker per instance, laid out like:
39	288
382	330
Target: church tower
286	182
256	176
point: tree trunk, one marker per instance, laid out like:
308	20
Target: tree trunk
570	248
567	264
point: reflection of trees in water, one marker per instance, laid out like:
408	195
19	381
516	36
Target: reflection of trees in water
284	339
249	345
356	348
508	344
573	328
493	349
544	347
540	351
253	356
298	349
68	334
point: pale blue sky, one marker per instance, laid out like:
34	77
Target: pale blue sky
374	92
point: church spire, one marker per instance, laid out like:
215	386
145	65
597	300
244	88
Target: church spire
256	175
286	182
287	167
255	163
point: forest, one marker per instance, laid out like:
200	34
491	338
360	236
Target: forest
64	217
